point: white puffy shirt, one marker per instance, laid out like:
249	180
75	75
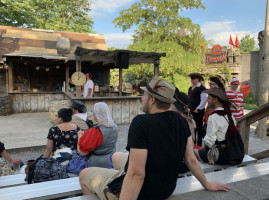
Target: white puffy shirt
87	86
216	128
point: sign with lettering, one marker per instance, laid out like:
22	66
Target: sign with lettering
217	55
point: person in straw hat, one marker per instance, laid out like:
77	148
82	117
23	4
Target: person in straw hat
157	142
197	103
217	126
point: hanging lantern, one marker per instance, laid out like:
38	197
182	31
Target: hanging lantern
47	69
57	66
37	67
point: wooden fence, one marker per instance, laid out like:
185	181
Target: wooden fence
250	118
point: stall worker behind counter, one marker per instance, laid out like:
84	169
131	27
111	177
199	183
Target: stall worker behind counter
88	86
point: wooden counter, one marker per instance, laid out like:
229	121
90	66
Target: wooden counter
123	109
24	102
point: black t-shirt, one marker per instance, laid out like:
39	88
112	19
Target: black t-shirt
165	136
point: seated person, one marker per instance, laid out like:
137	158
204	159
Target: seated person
80	115
63	135
217	126
4	154
99	142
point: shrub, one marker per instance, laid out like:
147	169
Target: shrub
250	103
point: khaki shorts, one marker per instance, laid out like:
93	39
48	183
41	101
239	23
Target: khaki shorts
98	178
121	162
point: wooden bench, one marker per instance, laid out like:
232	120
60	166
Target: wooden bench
190	185
210	168
45	190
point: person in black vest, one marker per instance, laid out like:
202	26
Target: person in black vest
197	103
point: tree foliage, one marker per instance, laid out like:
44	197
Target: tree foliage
62	15
160	28
247	43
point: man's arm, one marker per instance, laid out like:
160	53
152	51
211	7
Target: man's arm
202	104
90	92
197	171
135	175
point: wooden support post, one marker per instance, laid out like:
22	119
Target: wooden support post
66	78
10	77
244	132
7	84
120	81
156	68
78	69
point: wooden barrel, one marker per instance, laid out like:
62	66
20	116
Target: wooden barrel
56	105
5	105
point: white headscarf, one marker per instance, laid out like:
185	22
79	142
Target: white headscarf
101	111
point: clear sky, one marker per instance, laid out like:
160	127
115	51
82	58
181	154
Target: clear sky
218	21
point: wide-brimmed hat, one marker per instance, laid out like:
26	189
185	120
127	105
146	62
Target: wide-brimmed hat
182	101
161	90
79	105
219	93
196	75
218	80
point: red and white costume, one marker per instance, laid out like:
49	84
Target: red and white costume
237	99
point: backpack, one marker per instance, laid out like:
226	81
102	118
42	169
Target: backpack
46	169
234	152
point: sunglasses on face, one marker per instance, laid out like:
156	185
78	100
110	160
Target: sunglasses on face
194	78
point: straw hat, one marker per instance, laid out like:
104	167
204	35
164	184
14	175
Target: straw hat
161	90
219	93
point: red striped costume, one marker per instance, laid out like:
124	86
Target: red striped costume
237	99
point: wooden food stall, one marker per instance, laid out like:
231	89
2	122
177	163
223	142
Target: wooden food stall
38	65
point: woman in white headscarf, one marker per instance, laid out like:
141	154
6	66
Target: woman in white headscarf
98	143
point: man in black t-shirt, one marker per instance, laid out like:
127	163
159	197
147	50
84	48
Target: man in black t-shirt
157	143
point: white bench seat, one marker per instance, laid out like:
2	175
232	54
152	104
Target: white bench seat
210	168
190	187
45	190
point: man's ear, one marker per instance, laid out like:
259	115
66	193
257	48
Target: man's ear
152	100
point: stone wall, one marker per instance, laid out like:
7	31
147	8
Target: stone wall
249	71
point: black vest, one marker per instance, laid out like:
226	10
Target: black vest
195	96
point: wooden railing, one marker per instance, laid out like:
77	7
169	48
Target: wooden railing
250	118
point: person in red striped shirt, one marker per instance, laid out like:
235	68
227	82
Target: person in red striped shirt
236	98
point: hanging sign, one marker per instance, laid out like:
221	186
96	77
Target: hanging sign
216	55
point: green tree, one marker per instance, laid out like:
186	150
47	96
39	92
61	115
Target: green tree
160	28
61	15
247	43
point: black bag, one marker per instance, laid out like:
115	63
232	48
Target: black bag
46	169
234	152
116	184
